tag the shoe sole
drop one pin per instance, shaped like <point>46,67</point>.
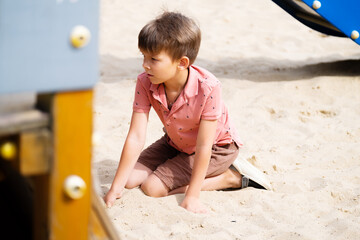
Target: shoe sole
<point>251,172</point>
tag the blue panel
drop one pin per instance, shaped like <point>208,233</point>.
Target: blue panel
<point>35,50</point>
<point>311,19</point>
<point>344,15</point>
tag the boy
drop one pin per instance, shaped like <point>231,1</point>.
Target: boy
<point>200,142</point>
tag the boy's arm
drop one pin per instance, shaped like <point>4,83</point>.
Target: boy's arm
<point>133,145</point>
<point>204,142</point>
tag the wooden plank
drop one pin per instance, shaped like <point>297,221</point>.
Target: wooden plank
<point>35,151</point>
<point>13,123</point>
<point>72,128</point>
<point>101,226</point>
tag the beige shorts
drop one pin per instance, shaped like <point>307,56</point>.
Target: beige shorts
<point>174,168</point>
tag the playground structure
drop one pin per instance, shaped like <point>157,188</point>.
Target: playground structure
<point>50,49</point>
<point>331,17</point>
<point>48,66</point>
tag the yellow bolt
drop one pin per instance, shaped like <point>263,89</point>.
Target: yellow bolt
<point>354,35</point>
<point>74,187</point>
<point>80,36</point>
<point>316,4</point>
<point>8,150</point>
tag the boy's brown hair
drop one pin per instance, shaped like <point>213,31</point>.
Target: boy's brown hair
<point>172,32</point>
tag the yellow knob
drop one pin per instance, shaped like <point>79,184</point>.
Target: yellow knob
<point>354,35</point>
<point>80,36</point>
<point>316,5</point>
<point>8,150</point>
<point>74,187</point>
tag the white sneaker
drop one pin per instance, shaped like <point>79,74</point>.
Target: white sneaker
<point>251,176</point>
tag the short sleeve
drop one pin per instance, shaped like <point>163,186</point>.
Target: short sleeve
<point>212,109</point>
<point>141,99</point>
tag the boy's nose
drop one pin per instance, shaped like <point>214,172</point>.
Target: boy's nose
<point>145,65</point>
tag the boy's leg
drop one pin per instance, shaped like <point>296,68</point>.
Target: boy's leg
<point>138,175</point>
<point>154,187</point>
<point>228,179</point>
<point>153,156</point>
<point>150,184</point>
<point>175,173</point>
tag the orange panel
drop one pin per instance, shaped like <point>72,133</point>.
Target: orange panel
<point>72,128</point>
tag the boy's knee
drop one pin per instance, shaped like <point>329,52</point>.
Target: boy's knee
<point>131,185</point>
<point>151,191</point>
<point>154,188</point>
<point>132,182</point>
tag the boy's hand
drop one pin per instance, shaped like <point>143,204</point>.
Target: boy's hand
<point>194,205</point>
<point>111,196</point>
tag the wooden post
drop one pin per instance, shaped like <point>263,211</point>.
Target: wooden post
<point>72,128</point>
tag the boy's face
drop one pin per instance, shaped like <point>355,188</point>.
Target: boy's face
<point>160,67</point>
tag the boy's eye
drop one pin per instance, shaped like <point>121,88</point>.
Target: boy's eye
<point>154,59</point>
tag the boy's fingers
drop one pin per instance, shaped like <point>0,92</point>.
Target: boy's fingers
<point>109,203</point>
<point>203,210</point>
<point>110,198</point>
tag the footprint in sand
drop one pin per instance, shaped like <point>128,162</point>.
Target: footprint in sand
<point>317,184</point>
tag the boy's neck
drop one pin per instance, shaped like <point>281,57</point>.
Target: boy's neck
<point>178,83</point>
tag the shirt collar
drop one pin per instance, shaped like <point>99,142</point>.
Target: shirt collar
<point>154,87</point>
<point>191,87</point>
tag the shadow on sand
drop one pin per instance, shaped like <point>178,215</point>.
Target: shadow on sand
<point>254,69</point>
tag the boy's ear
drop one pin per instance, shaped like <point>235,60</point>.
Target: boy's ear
<point>184,63</point>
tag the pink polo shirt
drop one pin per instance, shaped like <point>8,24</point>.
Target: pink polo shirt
<point>200,99</point>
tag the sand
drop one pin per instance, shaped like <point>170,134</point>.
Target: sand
<point>294,96</point>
